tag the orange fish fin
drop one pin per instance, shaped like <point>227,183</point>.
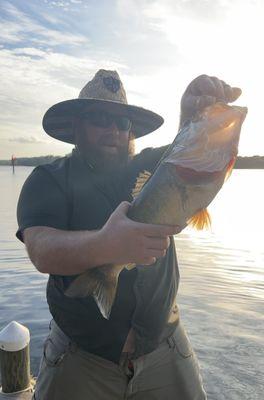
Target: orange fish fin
<point>230,168</point>
<point>200,220</point>
<point>142,178</point>
<point>130,266</point>
<point>100,284</point>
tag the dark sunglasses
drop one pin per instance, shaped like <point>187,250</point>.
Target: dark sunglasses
<point>103,119</point>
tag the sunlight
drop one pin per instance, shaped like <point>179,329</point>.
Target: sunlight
<point>223,48</point>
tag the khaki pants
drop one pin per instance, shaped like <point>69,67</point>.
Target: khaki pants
<point>171,372</point>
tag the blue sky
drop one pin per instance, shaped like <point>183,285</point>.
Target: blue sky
<point>50,49</point>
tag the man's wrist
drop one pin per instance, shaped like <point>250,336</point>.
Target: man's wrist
<point>97,248</point>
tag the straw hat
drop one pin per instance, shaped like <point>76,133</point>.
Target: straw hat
<point>105,91</point>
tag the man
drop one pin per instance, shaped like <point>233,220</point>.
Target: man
<point>72,217</point>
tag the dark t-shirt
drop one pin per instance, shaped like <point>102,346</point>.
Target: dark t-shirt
<point>47,197</point>
<point>68,195</point>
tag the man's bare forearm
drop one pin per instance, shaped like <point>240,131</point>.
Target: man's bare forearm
<point>120,241</point>
<point>59,252</point>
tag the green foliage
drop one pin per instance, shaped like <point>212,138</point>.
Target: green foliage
<point>255,162</point>
<point>31,161</point>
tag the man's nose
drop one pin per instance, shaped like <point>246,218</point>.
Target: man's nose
<point>114,128</point>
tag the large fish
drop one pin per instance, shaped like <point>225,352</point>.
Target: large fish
<point>185,181</point>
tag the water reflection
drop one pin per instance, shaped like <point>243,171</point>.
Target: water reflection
<point>220,295</point>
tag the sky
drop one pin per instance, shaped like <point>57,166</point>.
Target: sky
<point>50,49</point>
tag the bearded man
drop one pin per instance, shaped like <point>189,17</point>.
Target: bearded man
<point>72,217</point>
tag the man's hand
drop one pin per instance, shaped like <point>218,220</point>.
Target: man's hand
<point>128,241</point>
<point>204,91</point>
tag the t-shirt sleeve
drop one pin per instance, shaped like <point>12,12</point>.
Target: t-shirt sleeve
<point>148,158</point>
<point>41,203</point>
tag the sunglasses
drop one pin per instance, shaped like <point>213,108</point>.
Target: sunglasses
<point>103,119</point>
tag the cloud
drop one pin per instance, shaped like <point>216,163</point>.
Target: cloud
<point>64,5</point>
<point>27,140</point>
<point>49,53</point>
<point>18,27</point>
<point>33,80</point>
<point>29,51</point>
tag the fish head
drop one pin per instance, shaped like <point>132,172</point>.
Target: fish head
<point>202,156</point>
<point>209,143</point>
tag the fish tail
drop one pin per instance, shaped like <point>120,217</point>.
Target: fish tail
<point>99,284</point>
<point>130,266</point>
<point>200,220</point>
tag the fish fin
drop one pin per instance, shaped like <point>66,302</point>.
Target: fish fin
<point>200,220</point>
<point>130,266</point>
<point>99,284</point>
<point>82,286</point>
<point>104,295</point>
<point>140,182</point>
<point>230,167</point>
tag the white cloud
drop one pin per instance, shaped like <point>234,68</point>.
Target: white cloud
<point>31,84</point>
<point>159,48</point>
<point>61,4</point>
<point>22,28</point>
<point>129,9</point>
<point>29,51</point>
<point>25,139</point>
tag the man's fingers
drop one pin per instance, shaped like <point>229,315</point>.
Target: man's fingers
<point>205,91</point>
<point>231,93</point>
<point>202,85</point>
<point>236,92</point>
<point>228,91</point>
<point>149,261</point>
<point>156,253</point>
<point>192,104</point>
<point>205,85</point>
<point>204,101</point>
<point>160,230</point>
<point>157,243</point>
<point>219,89</point>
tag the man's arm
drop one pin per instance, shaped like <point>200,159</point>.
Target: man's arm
<point>120,241</point>
<point>55,251</point>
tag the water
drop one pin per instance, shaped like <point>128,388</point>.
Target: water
<point>221,290</point>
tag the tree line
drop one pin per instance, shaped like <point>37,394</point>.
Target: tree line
<point>254,162</point>
<point>30,161</point>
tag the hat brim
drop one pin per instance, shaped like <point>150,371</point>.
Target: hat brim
<point>58,121</point>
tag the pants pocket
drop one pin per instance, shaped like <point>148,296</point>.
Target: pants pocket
<point>55,350</point>
<point>52,353</point>
<point>182,343</point>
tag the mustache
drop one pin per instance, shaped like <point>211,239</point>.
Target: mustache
<point>109,140</point>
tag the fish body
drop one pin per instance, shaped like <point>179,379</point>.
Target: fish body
<point>184,183</point>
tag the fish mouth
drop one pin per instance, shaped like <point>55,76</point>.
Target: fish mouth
<point>189,176</point>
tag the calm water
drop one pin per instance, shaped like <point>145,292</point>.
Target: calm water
<point>221,290</point>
